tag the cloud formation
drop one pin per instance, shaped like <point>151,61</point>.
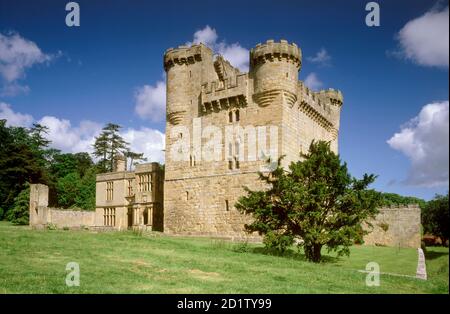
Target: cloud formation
<point>425,141</point>
<point>71,138</point>
<point>322,58</point>
<point>425,40</point>
<point>313,81</point>
<point>150,101</point>
<point>17,54</point>
<point>14,118</point>
<point>235,53</point>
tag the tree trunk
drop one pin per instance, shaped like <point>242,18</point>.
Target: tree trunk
<point>313,252</point>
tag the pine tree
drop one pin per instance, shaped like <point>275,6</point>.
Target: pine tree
<point>134,158</point>
<point>108,145</point>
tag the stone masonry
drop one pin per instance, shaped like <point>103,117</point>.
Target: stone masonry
<point>221,127</point>
<point>396,226</point>
<point>268,106</point>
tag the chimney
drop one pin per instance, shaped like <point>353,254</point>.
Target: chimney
<point>120,163</point>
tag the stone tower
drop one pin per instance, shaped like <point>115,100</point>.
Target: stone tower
<point>222,125</point>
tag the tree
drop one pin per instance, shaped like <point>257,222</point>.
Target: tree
<point>68,189</point>
<point>435,217</point>
<point>396,199</point>
<point>86,194</point>
<point>108,145</point>
<point>20,163</point>
<point>19,214</point>
<point>134,158</point>
<point>316,201</point>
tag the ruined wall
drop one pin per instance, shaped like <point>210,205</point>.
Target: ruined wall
<point>396,226</point>
<point>41,215</point>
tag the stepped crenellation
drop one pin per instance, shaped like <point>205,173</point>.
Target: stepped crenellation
<point>272,50</point>
<point>184,55</point>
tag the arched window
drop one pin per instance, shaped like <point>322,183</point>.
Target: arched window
<point>230,116</point>
<point>237,115</point>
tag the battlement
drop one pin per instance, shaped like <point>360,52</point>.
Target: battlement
<point>228,84</point>
<point>185,55</point>
<point>331,96</point>
<point>272,50</point>
<point>222,94</point>
<point>401,207</point>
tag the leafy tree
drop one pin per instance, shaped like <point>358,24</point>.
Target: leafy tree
<point>68,188</point>
<point>20,163</point>
<point>19,214</point>
<point>396,199</point>
<point>435,217</point>
<point>317,200</point>
<point>86,194</point>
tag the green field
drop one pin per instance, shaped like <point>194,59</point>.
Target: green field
<point>34,261</point>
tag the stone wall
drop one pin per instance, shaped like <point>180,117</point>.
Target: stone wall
<point>396,226</point>
<point>41,215</point>
<point>268,106</point>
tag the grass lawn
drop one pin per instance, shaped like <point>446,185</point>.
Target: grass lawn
<point>33,261</point>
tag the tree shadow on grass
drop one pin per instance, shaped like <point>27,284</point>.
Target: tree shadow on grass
<point>290,254</point>
<point>433,255</point>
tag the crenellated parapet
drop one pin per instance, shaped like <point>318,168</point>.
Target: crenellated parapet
<point>323,106</point>
<point>331,96</point>
<point>184,55</point>
<point>272,50</point>
<point>223,94</point>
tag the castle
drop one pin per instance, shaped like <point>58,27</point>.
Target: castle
<point>221,127</point>
<point>265,112</point>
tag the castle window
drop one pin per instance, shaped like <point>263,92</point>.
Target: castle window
<point>144,183</point>
<point>227,205</point>
<point>230,116</point>
<point>109,216</point>
<point>187,195</point>
<point>287,74</point>
<point>230,164</point>
<point>190,160</point>
<point>109,191</point>
<point>236,160</point>
<point>237,115</point>
<point>190,74</point>
<point>130,187</point>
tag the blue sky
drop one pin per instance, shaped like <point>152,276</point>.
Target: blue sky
<point>82,77</point>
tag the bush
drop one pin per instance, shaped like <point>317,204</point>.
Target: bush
<point>19,214</point>
<point>51,226</point>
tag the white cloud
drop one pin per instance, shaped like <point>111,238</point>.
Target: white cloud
<point>68,138</point>
<point>235,53</point>
<point>151,142</point>
<point>150,101</point>
<point>17,54</point>
<point>207,36</point>
<point>313,81</point>
<point>425,141</point>
<point>425,40</point>
<point>80,138</point>
<point>321,58</point>
<point>14,118</point>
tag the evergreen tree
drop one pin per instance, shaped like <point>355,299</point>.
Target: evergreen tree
<point>316,201</point>
<point>108,145</point>
<point>134,158</point>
